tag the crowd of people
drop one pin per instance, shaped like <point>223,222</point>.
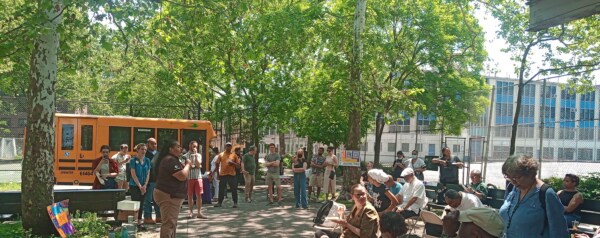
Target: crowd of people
<point>161,181</point>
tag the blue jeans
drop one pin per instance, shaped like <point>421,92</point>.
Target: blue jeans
<point>300,189</point>
<point>149,202</point>
<point>570,218</point>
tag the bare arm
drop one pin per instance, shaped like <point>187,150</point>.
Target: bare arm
<point>574,203</point>
<point>393,199</point>
<point>410,202</point>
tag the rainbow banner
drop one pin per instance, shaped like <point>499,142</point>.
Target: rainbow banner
<point>59,214</point>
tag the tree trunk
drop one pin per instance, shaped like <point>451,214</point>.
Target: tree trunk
<point>282,143</point>
<point>309,150</point>
<point>352,174</point>
<point>38,163</point>
<point>255,137</point>
<point>521,85</point>
<point>378,133</point>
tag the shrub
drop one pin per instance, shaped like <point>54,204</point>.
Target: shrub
<point>589,185</point>
<point>88,224</point>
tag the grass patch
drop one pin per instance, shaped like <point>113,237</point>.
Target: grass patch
<point>10,186</point>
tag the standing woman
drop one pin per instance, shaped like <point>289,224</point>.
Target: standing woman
<point>105,169</point>
<point>171,181</point>
<point>331,162</point>
<point>299,169</point>
<point>122,159</point>
<point>527,213</point>
<point>571,199</point>
<point>140,175</point>
<point>214,173</point>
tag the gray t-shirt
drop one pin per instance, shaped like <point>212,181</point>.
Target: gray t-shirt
<point>271,158</point>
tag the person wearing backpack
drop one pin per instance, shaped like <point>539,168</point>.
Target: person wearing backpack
<point>532,208</point>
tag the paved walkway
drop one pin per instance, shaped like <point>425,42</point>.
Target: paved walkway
<point>254,219</point>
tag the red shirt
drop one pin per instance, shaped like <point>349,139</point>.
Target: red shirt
<point>113,167</point>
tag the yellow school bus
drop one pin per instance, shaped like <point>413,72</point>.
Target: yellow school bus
<point>79,137</point>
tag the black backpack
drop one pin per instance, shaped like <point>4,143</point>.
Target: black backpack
<point>322,213</point>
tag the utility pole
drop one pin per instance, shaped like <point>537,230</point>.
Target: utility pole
<point>542,125</point>
<point>489,133</point>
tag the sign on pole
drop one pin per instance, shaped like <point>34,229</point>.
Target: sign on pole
<point>350,158</point>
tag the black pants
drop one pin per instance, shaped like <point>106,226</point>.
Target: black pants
<point>230,180</point>
<point>136,195</point>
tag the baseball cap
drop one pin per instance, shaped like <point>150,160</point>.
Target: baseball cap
<point>228,144</point>
<point>486,218</point>
<point>408,171</point>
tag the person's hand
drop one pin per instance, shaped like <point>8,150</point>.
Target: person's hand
<point>230,161</point>
<point>341,222</point>
<point>143,190</point>
<point>581,236</point>
<point>399,209</point>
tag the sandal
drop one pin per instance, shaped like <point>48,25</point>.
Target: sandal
<point>201,216</point>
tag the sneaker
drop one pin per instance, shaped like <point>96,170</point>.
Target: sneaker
<point>158,220</point>
<point>235,205</point>
<point>218,205</point>
<point>149,221</point>
<point>304,208</point>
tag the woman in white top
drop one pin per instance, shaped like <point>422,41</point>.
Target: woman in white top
<point>214,173</point>
<point>122,159</point>
<point>331,162</point>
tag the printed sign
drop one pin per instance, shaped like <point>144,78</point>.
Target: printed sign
<point>350,158</point>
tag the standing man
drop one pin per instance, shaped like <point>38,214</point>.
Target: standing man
<point>417,164</point>
<point>272,161</point>
<point>226,164</point>
<point>448,167</point>
<point>477,187</point>
<point>248,170</point>
<point>398,165</point>
<point>316,178</point>
<point>152,154</point>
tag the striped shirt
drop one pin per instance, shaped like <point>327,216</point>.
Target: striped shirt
<point>195,172</point>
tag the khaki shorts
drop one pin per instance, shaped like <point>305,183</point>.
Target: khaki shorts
<point>272,177</point>
<point>316,181</point>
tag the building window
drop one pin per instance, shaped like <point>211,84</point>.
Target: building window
<point>567,94</point>
<point>391,147</point>
<point>524,150</point>
<point>566,153</point>
<point>405,147</point>
<point>431,149</point>
<point>585,154</point>
<point>548,153</point>
<point>500,152</point>
<point>419,147</point>
<point>529,90</point>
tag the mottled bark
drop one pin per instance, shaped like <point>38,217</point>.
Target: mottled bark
<point>38,163</point>
<point>352,174</point>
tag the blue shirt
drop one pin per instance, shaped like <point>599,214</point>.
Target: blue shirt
<point>141,171</point>
<point>396,188</point>
<point>526,218</point>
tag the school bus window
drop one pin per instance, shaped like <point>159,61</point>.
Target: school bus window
<point>141,135</point>
<point>87,135</point>
<point>197,135</point>
<point>164,135</point>
<point>118,135</point>
<point>68,133</point>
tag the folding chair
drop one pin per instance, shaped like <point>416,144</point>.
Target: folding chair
<point>433,225</point>
<point>412,223</point>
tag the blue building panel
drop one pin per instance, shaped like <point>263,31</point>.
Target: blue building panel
<point>586,104</point>
<point>504,99</point>
<point>567,103</point>
<point>567,124</point>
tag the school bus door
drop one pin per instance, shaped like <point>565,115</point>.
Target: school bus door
<point>74,154</point>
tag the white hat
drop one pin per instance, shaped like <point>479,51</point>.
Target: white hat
<point>407,171</point>
<point>378,175</point>
<point>486,218</point>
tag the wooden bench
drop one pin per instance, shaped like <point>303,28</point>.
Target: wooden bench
<point>83,200</point>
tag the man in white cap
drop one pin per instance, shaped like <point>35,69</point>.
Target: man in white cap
<point>412,195</point>
<point>478,222</point>
<point>460,200</point>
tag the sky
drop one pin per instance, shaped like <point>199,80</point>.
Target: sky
<point>500,61</point>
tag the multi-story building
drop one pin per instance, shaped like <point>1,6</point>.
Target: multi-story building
<point>570,127</point>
